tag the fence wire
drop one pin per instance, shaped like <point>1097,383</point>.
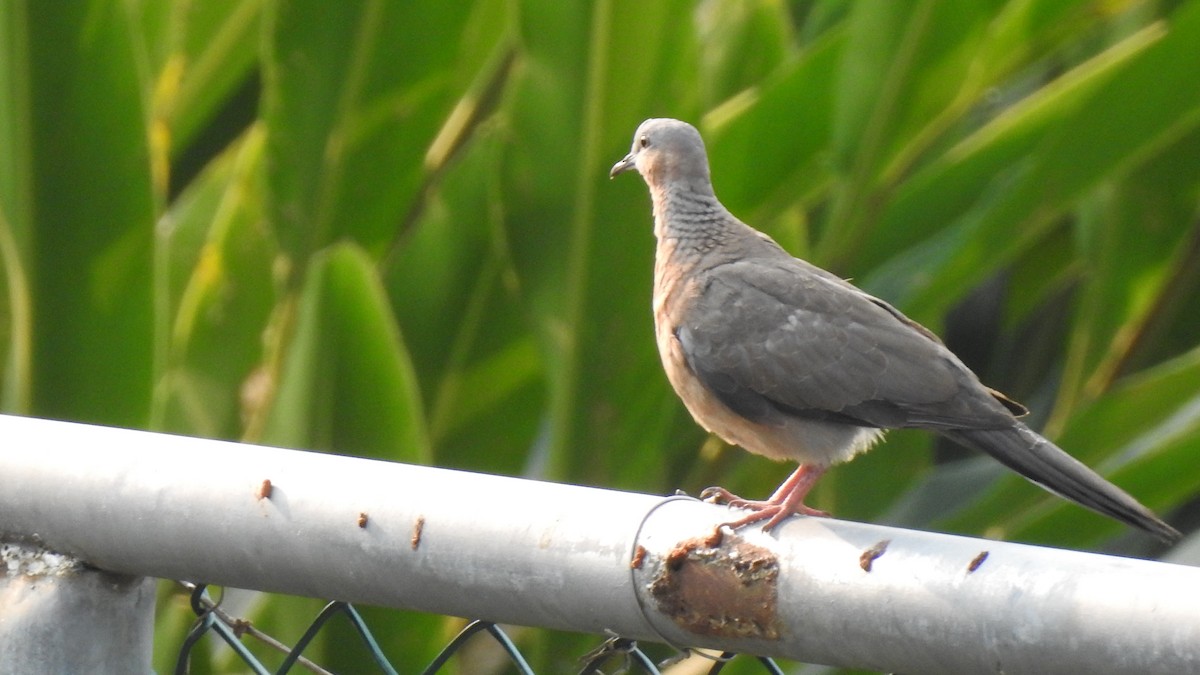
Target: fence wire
<point>211,619</point>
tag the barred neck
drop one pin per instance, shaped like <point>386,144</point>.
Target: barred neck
<point>690,215</point>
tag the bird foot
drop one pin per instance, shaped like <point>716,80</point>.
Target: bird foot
<point>774,510</point>
<point>719,495</point>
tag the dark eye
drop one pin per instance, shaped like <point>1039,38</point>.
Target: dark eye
<point>644,142</point>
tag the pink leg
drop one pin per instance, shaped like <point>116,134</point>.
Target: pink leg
<point>787,500</point>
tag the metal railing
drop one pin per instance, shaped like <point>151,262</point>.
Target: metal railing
<point>646,568</point>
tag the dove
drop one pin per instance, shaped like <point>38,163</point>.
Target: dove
<point>789,361</point>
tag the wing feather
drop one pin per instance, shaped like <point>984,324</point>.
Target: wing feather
<point>775,339</point>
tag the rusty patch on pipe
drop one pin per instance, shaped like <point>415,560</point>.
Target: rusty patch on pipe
<point>639,557</point>
<point>729,590</point>
<point>418,528</point>
<point>264,490</point>
<point>872,554</point>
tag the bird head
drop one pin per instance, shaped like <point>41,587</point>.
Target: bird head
<point>665,151</point>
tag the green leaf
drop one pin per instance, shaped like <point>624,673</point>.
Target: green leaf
<point>347,381</point>
<point>900,64</point>
<point>480,369</point>
<point>772,141</point>
<point>354,93</point>
<point>16,217</point>
<point>1002,187</point>
<point>92,216</point>
<point>1135,243</point>
<point>220,291</point>
<point>205,51</point>
<point>746,40</point>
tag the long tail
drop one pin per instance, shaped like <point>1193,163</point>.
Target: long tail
<point>1024,451</point>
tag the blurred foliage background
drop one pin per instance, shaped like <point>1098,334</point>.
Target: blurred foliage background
<point>386,229</point>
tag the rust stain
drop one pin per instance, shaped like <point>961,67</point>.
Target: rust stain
<point>362,519</point>
<point>639,557</point>
<point>872,554</point>
<point>418,527</point>
<point>729,590</point>
<point>241,626</point>
<point>977,561</point>
<point>264,490</point>
<point>714,540</point>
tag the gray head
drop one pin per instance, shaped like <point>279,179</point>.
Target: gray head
<point>666,151</point>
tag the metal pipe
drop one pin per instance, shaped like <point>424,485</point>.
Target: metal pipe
<point>584,559</point>
<point>893,600</point>
<point>323,525</point>
<point>58,616</point>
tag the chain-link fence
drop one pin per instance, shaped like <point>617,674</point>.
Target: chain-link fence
<point>620,654</point>
<point>613,655</point>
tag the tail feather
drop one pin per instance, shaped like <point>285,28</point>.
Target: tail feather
<point>1024,451</point>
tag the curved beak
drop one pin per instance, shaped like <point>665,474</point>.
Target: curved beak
<point>626,163</point>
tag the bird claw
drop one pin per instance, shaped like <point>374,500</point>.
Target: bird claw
<point>774,514</point>
<point>718,495</point>
<point>774,510</point>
